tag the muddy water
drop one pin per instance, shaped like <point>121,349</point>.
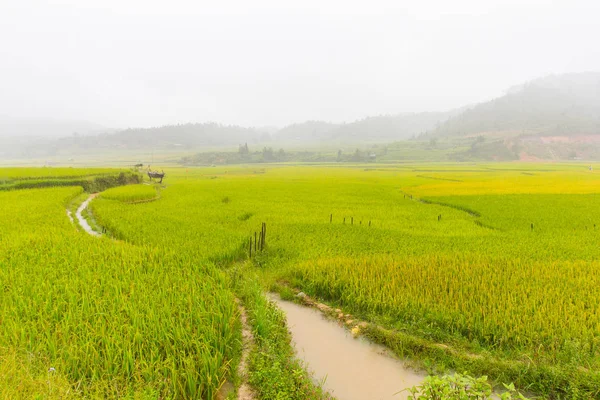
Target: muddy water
<point>352,368</point>
<point>84,224</point>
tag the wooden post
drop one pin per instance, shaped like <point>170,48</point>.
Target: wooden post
<point>352,221</point>
<point>532,226</point>
<point>259,241</point>
<point>344,220</point>
<point>330,218</point>
<point>255,247</point>
<point>262,236</point>
<point>369,223</point>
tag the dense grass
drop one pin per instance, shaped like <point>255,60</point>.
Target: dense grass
<point>552,214</point>
<point>9,174</point>
<point>131,194</point>
<point>112,319</point>
<point>476,292</point>
<point>428,270</point>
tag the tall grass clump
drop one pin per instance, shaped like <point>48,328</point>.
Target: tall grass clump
<point>108,317</point>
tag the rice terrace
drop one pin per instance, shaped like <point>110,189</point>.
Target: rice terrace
<point>485,273</point>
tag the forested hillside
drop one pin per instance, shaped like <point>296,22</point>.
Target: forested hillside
<point>555,105</point>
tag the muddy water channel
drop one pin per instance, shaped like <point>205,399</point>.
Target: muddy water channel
<point>352,368</point>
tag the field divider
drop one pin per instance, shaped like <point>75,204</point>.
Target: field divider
<point>471,213</point>
<point>157,197</point>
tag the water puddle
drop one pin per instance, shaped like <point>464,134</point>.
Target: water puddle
<point>352,368</point>
<point>82,221</point>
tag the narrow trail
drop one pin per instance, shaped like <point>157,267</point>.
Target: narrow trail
<point>82,221</point>
<point>245,392</point>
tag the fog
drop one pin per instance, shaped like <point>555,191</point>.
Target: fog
<point>271,63</point>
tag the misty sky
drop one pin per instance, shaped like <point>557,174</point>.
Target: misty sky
<point>124,63</point>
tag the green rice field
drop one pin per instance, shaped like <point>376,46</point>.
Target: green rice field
<point>489,269</point>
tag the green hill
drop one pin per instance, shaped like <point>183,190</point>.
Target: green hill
<point>555,105</point>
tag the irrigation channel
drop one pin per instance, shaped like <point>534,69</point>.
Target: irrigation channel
<point>82,221</point>
<point>351,368</point>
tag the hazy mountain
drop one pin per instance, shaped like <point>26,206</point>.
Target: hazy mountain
<point>27,138</point>
<point>185,135</point>
<point>563,105</point>
<point>309,131</point>
<point>563,109</point>
<point>165,138</point>
<point>386,128</point>
<point>45,128</point>
<point>378,129</point>
<point>211,135</point>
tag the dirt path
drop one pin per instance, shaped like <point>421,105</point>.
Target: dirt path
<point>245,392</point>
<point>82,221</point>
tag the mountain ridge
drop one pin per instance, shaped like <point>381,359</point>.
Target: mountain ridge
<point>554,106</point>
